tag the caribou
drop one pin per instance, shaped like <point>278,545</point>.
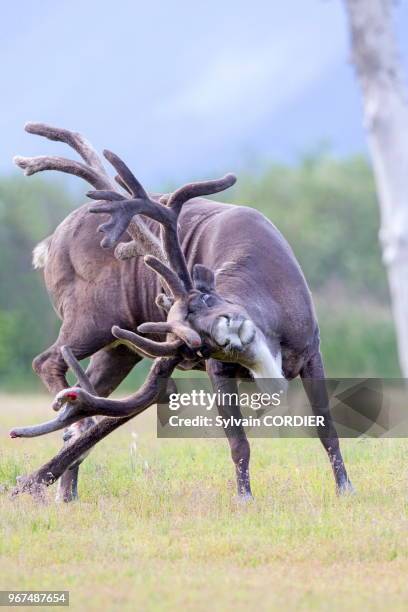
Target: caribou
<point>189,282</point>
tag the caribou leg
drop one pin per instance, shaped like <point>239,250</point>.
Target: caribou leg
<point>313,377</point>
<point>105,373</point>
<point>83,339</point>
<point>67,490</point>
<point>48,473</point>
<point>223,379</point>
<point>108,368</point>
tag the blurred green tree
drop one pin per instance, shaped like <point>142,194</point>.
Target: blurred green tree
<point>29,211</point>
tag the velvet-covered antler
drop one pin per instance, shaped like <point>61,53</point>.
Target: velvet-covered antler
<point>175,276</point>
<point>76,403</point>
<point>147,395</point>
<point>122,211</point>
<point>146,347</point>
<point>92,171</point>
<point>66,416</point>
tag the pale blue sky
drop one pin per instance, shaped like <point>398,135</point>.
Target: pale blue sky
<point>182,89</point>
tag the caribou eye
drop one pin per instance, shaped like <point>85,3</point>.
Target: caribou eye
<point>208,299</point>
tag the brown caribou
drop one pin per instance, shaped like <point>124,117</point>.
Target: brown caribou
<point>219,280</point>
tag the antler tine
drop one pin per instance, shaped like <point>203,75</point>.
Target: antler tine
<point>126,175</point>
<point>169,278</point>
<point>143,239</point>
<point>64,419</point>
<point>122,183</point>
<point>143,205</point>
<point>81,402</point>
<point>122,219</point>
<point>32,165</point>
<point>74,365</point>
<point>177,328</point>
<point>170,237</point>
<point>92,171</point>
<point>73,139</point>
<point>122,213</point>
<point>197,189</point>
<point>146,347</point>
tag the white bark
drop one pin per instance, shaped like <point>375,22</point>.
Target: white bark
<point>375,55</point>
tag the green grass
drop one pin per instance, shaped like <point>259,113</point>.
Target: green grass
<point>158,526</point>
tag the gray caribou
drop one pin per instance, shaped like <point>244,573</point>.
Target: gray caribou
<point>219,281</point>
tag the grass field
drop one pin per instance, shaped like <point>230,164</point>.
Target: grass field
<point>158,526</point>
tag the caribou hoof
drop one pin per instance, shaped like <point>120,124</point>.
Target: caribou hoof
<point>346,488</point>
<point>245,499</point>
<point>25,484</point>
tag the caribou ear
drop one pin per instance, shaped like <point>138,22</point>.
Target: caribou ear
<point>203,278</point>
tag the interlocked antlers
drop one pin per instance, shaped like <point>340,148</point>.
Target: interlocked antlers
<point>92,171</point>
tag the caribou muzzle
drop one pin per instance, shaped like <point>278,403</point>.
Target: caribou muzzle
<point>233,333</point>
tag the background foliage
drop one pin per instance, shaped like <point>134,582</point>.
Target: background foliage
<point>325,207</point>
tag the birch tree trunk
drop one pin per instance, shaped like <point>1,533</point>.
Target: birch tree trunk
<point>375,56</point>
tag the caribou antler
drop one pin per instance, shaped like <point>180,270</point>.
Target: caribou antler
<point>77,403</point>
<point>146,347</point>
<point>92,171</point>
<point>181,338</point>
<point>147,395</point>
<point>175,276</point>
<point>122,211</point>
<point>66,416</point>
